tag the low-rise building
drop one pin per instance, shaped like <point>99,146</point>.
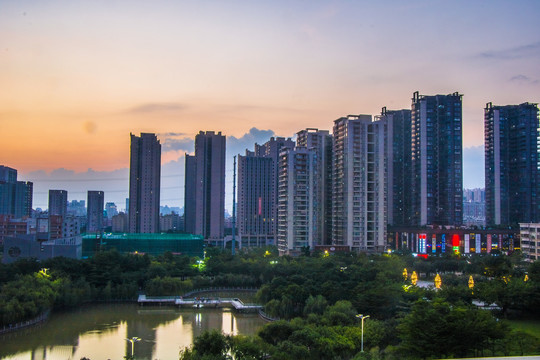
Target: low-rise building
<point>530,240</point>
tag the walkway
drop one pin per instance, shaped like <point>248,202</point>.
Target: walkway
<point>235,303</point>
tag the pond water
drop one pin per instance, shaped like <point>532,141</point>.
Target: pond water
<point>100,332</point>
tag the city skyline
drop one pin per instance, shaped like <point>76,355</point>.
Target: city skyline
<point>83,75</point>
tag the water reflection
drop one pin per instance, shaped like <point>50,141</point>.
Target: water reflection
<point>99,332</point>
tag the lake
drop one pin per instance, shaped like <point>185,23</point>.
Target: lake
<point>100,332</point>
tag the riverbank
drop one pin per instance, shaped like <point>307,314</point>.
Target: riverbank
<point>24,324</point>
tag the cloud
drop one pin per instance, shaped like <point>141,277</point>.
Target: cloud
<point>247,141</point>
<point>175,143</point>
<point>473,167</point>
<point>151,108</point>
<point>522,79</point>
<point>529,50</point>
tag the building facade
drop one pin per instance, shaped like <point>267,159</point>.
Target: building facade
<point>436,159</point>
<point>15,196</point>
<point>58,202</point>
<point>144,183</point>
<point>530,240</point>
<point>94,212</point>
<point>297,226</point>
<point>320,142</point>
<point>398,154</point>
<point>512,164</point>
<point>359,183</point>
<point>435,240</point>
<point>255,194</point>
<point>204,206</point>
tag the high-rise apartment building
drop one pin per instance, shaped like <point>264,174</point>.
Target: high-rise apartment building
<point>144,183</point>
<point>512,164</point>
<point>257,193</point>
<point>204,206</point>
<point>94,212</point>
<point>58,201</point>
<point>359,188</point>
<point>436,160</point>
<point>320,142</point>
<point>398,128</point>
<point>255,220</point>
<point>15,196</point>
<point>296,225</point>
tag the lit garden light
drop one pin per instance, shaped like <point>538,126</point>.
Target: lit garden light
<point>405,274</point>
<point>362,317</point>
<point>471,282</point>
<point>414,278</point>
<point>133,340</point>
<point>438,281</point>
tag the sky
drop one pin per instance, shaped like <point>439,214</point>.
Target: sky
<point>78,77</point>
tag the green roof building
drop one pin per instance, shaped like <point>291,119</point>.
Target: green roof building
<point>152,244</point>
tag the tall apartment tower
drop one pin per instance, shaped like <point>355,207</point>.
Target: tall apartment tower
<point>359,187</point>
<point>94,212</point>
<point>320,142</point>
<point>512,164</point>
<point>144,183</point>
<point>436,160</point>
<point>257,192</point>
<point>58,203</point>
<point>271,149</point>
<point>255,219</point>
<point>398,123</point>
<point>15,196</point>
<point>205,186</point>
<point>297,219</point>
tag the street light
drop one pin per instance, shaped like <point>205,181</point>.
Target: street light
<point>362,317</point>
<point>133,340</point>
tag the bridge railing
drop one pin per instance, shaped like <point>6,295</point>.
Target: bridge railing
<point>217,289</point>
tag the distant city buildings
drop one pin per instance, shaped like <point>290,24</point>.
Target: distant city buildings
<point>76,208</point>
<point>58,202</point>
<point>144,183</point>
<point>171,223</point>
<point>474,209</point>
<point>205,187</point>
<point>110,210</point>
<point>94,215</point>
<point>393,180</point>
<point>119,223</point>
<point>512,164</point>
<point>15,196</point>
<point>436,160</point>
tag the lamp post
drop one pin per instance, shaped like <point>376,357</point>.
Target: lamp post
<point>133,340</point>
<point>362,317</point>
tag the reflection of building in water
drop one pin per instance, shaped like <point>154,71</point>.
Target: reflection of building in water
<point>229,323</point>
<point>204,319</point>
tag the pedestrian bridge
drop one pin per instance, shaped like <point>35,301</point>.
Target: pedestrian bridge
<point>199,302</point>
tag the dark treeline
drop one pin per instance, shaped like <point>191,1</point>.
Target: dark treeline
<point>316,297</point>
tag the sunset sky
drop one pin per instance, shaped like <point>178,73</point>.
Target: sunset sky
<point>78,76</point>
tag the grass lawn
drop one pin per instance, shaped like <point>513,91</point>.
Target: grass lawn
<point>530,326</point>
